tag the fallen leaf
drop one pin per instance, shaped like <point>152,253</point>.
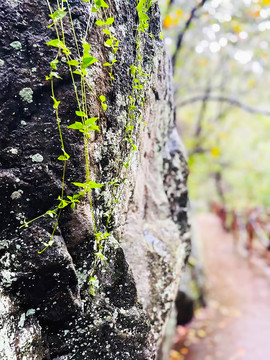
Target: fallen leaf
<point>174,355</point>
<point>184,351</point>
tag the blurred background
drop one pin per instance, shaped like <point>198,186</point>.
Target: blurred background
<point>220,55</point>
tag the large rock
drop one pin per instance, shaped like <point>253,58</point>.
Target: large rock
<point>47,311</point>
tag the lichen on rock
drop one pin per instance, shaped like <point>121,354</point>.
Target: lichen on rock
<point>26,94</point>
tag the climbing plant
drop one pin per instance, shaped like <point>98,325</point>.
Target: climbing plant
<point>79,61</point>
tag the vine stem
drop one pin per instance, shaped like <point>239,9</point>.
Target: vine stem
<point>81,99</point>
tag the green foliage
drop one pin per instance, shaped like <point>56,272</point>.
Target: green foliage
<point>58,14</point>
<point>109,21</point>
<point>78,64</point>
<point>89,185</point>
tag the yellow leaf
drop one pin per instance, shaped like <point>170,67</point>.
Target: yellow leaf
<point>179,12</point>
<point>167,21</point>
<point>237,28</point>
<point>174,355</point>
<point>184,351</point>
<point>215,152</point>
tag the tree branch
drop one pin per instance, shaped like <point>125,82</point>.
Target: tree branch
<point>182,34</point>
<point>221,98</point>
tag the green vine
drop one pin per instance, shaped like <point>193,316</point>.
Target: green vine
<point>78,64</point>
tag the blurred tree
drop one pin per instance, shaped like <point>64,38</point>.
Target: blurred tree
<point>220,54</point>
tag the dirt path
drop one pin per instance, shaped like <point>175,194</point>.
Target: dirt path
<point>236,323</point>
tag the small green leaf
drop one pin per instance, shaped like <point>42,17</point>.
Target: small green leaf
<point>55,74</point>
<point>56,43</point>
<point>88,60</point>
<point>109,21</point>
<point>66,51</point>
<point>143,17</point>
<point>88,185</point>
<point>64,157</point>
<point>106,31</point>
<point>80,113</point>
<point>79,184</point>
<point>76,126</point>
<point>102,98</point>
<point>107,64</point>
<point>140,6</point>
<point>63,203</point>
<point>73,62</point>
<point>86,47</point>
<point>104,106</point>
<point>94,127</point>
<point>91,121</point>
<point>93,185</point>
<point>55,103</point>
<point>72,205</point>
<point>58,14</point>
<point>51,213</point>
<point>101,3</point>
<point>54,64</point>
<point>100,23</point>
<point>109,43</point>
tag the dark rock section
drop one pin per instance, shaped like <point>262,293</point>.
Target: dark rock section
<point>46,309</point>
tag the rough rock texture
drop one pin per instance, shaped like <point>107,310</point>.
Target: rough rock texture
<point>47,311</point>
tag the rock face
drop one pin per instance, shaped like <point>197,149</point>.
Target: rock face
<point>47,310</point>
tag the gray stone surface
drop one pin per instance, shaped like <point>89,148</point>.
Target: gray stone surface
<point>46,309</point>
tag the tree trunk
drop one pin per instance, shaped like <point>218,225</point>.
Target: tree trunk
<point>47,309</point>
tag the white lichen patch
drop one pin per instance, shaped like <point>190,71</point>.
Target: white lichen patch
<point>30,312</point>
<point>37,158</point>
<point>21,321</point>
<point>16,45</point>
<point>8,277</point>
<point>16,194</point>
<point>13,151</point>
<point>27,95</point>
<point>2,62</point>
<point>13,3</point>
<point>121,100</point>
